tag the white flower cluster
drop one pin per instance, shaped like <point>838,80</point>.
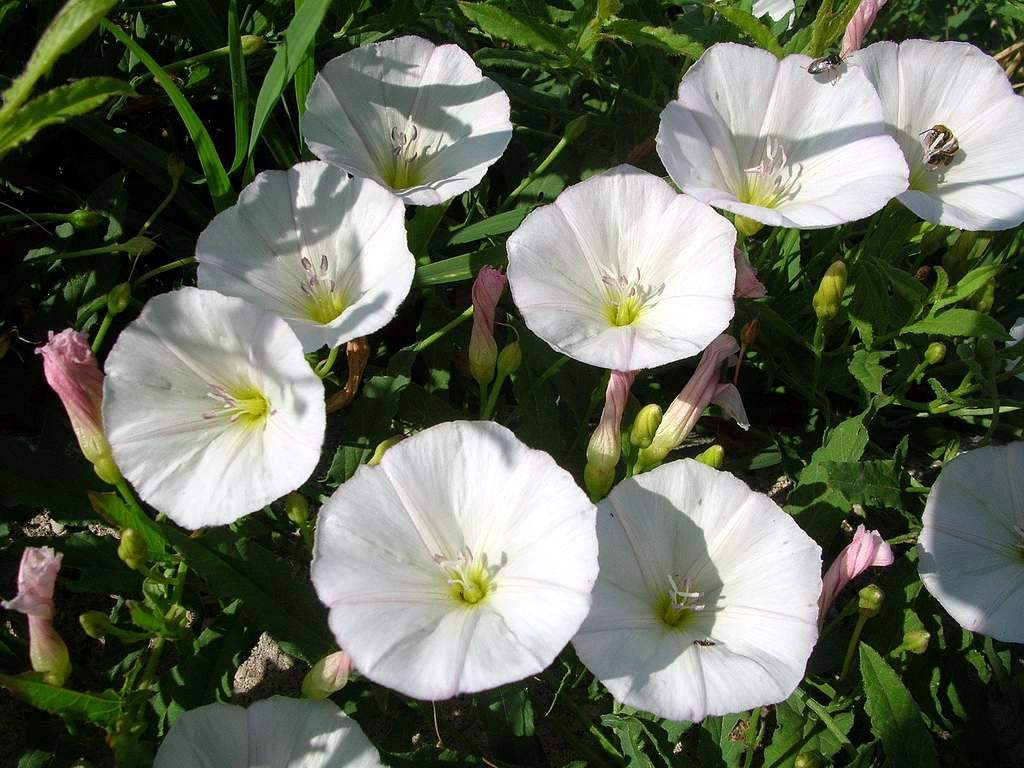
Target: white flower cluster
<point>465,560</point>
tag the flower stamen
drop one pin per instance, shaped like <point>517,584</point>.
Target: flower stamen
<point>677,606</point>
<point>244,405</point>
<point>469,579</point>
<point>774,179</point>
<point>405,152</point>
<point>625,299</point>
<point>324,302</point>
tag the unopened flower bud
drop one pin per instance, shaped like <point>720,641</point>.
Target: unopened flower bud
<point>483,350</point>
<point>132,550</point>
<point>870,599</point>
<point>95,624</point>
<point>329,675</point>
<point>296,508</point>
<point>137,246</point>
<point>747,285</point>
<point>748,333</point>
<point>714,457</point>
<point>509,359</point>
<point>916,641</point>
<point>829,296</point>
<point>83,218</point>
<point>382,448</point>
<point>37,578</point>
<point>576,127</point>
<point>598,480</point>
<point>252,43</point>
<point>747,227</point>
<point>810,759</point>
<point>175,165</point>
<point>985,297</point>
<point>645,425</point>
<point>118,298</point>
<point>935,353</point>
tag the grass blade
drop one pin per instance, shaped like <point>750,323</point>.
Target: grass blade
<point>239,88</point>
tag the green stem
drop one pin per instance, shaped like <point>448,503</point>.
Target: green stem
<point>862,619</point>
<point>115,248</point>
<point>492,398</point>
<point>554,368</point>
<point>419,346</point>
<point>483,399</point>
<point>325,367</point>
<point>535,174</point>
<point>101,333</point>
<point>753,736</point>
<point>176,264</point>
<point>818,347</point>
<point>17,218</point>
<point>175,180</point>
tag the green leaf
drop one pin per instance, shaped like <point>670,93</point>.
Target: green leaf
<point>293,50</point>
<point>216,178</point>
<point>57,106</point>
<point>519,29</point>
<point>459,268</point>
<point>74,22</point>
<point>499,224</point>
<point>239,88</point>
<point>960,322</point>
<point>509,716</point>
<point>829,24</point>
<point>970,283</point>
<point>113,509</point>
<point>749,25</point>
<point>872,483</point>
<point>102,708</point>
<point>895,716</point>
<point>662,38</point>
<point>866,367</point>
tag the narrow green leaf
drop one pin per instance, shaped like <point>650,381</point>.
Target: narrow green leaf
<point>73,23</point>
<point>57,106</point>
<point>113,509</point>
<point>305,74</point>
<point>748,25</point>
<point>973,281</point>
<point>960,322</point>
<point>216,178</point>
<point>239,88</point>
<point>102,708</point>
<point>662,38</point>
<point>499,224</point>
<point>520,30</point>
<point>830,23</point>
<point>459,268</point>
<point>290,54</point>
<point>895,716</point>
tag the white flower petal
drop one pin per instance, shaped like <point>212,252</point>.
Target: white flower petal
<point>164,409</point>
<point>972,542</point>
<point>406,98</point>
<point>278,732</point>
<point>923,84</point>
<point>294,232</point>
<point>628,225</point>
<point>775,9</point>
<point>461,489</point>
<point>767,140</point>
<point>753,571</point>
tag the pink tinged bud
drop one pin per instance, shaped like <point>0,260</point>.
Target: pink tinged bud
<point>328,676</point>
<point>747,284</point>
<point>483,351</point>
<point>859,25</point>
<point>37,577</point>
<point>72,372</point>
<point>605,444</point>
<point>866,550</point>
<point>703,388</point>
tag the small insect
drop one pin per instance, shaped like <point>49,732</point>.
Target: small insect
<point>940,145</point>
<point>704,643</point>
<point>827,64</point>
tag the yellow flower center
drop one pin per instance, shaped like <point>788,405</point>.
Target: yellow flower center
<point>469,579</point>
<point>404,171</point>
<point>243,405</point>
<point>625,299</point>
<point>677,607</point>
<point>323,300</point>
<point>774,180</point>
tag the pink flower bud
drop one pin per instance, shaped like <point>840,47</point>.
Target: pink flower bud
<point>483,351</point>
<point>37,577</point>
<point>703,388</point>
<point>747,284</point>
<point>72,372</point>
<point>606,442</point>
<point>867,549</point>
<point>859,25</point>
<point>328,676</point>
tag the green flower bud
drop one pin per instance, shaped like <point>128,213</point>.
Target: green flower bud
<point>137,246</point>
<point>575,128</point>
<point>118,298</point>
<point>175,166</point>
<point>381,449</point>
<point>252,43</point>
<point>870,599</point>
<point>645,425</point>
<point>95,624</point>
<point>714,457</point>
<point>810,759</point>
<point>598,480</point>
<point>329,675</point>
<point>83,218</point>
<point>829,296</point>
<point>935,353</point>
<point>747,227</point>
<point>916,641</point>
<point>132,549</point>
<point>297,508</point>
<point>985,296</point>
<point>509,359</point>
<point>106,470</point>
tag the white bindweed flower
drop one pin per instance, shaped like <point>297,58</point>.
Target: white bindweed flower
<point>707,598</point>
<point>971,545</point>
<point>418,118</point>
<point>622,272</point>
<point>274,733</point>
<point>961,128</point>
<point>323,251</point>
<point>776,10</point>
<point>767,140</point>
<point>462,562</point>
<point>211,410</point>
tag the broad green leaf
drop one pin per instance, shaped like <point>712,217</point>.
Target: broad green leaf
<point>749,25</point>
<point>633,739</point>
<point>99,708</point>
<point>509,715</point>
<point>293,50</point>
<point>872,483</point>
<point>960,322</point>
<point>216,178</point>
<point>866,367</point>
<point>113,509</point>
<point>459,268</point>
<point>74,22</point>
<point>895,716</point>
<point>662,38</point>
<point>57,106</point>
<point>969,284</point>
<point>519,29</point>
